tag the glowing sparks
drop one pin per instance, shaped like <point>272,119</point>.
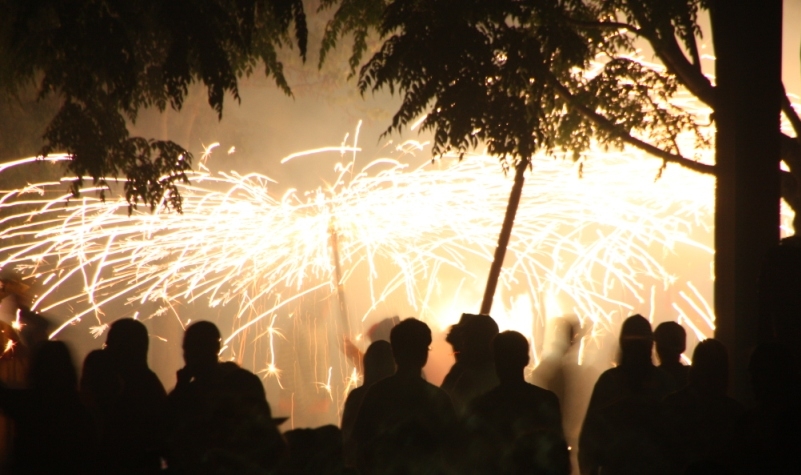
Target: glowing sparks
<point>17,323</point>
<point>599,238</point>
<point>593,245</point>
<point>326,386</point>
<point>98,330</point>
<point>352,382</point>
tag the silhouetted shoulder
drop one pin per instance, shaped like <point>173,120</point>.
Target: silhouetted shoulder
<point>395,401</point>
<point>522,406</point>
<point>235,379</point>
<point>398,390</point>
<point>614,386</point>
<point>524,393</point>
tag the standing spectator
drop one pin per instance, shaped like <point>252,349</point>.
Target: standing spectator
<point>701,418</point>
<point>218,418</point>
<point>516,427</point>
<point>378,364</point>
<point>54,433</point>
<point>622,432</point>
<point>474,372</point>
<point>671,341</point>
<point>405,423</point>
<point>768,436</point>
<point>131,436</point>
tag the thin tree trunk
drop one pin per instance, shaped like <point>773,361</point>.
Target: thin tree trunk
<point>503,239</point>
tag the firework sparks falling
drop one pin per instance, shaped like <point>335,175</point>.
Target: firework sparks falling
<point>582,238</point>
<point>593,238</point>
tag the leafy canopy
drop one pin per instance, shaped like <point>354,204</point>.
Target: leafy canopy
<point>526,75</point>
<point>107,59</point>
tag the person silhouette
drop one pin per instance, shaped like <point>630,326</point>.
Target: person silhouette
<point>456,339</point>
<point>767,437</point>
<point>131,437</point>
<point>671,341</point>
<point>54,432</point>
<point>474,372</point>
<point>218,419</point>
<point>701,418</point>
<point>404,422</point>
<point>622,431</point>
<point>504,421</point>
<point>378,364</point>
<point>779,289</point>
<point>100,388</point>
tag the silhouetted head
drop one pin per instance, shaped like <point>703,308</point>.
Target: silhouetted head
<point>378,362</point>
<point>52,369</point>
<point>636,342</point>
<point>201,345</point>
<point>773,374</point>
<point>127,342</point>
<point>510,350</point>
<point>478,334</point>
<point>455,336</point>
<point>710,370</point>
<point>671,341</point>
<point>410,340</point>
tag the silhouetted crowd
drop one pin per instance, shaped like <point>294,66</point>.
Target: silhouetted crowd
<point>484,419</point>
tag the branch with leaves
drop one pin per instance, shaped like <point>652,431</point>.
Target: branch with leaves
<point>513,75</point>
<point>107,60</point>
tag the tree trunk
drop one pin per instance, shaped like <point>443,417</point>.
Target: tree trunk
<point>747,37</point>
<point>503,239</point>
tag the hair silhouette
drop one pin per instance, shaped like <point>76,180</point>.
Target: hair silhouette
<point>478,334</point>
<point>710,370</point>
<point>128,342</point>
<point>201,345</point>
<point>511,353</point>
<point>671,341</point>
<point>636,343</point>
<point>378,362</point>
<point>410,340</point>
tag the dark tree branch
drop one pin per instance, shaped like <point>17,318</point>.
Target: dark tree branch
<point>609,127</point>
<point>690,75</point>
<point>693,47</point>
<point>670,53</point>
<point>791,114</point>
